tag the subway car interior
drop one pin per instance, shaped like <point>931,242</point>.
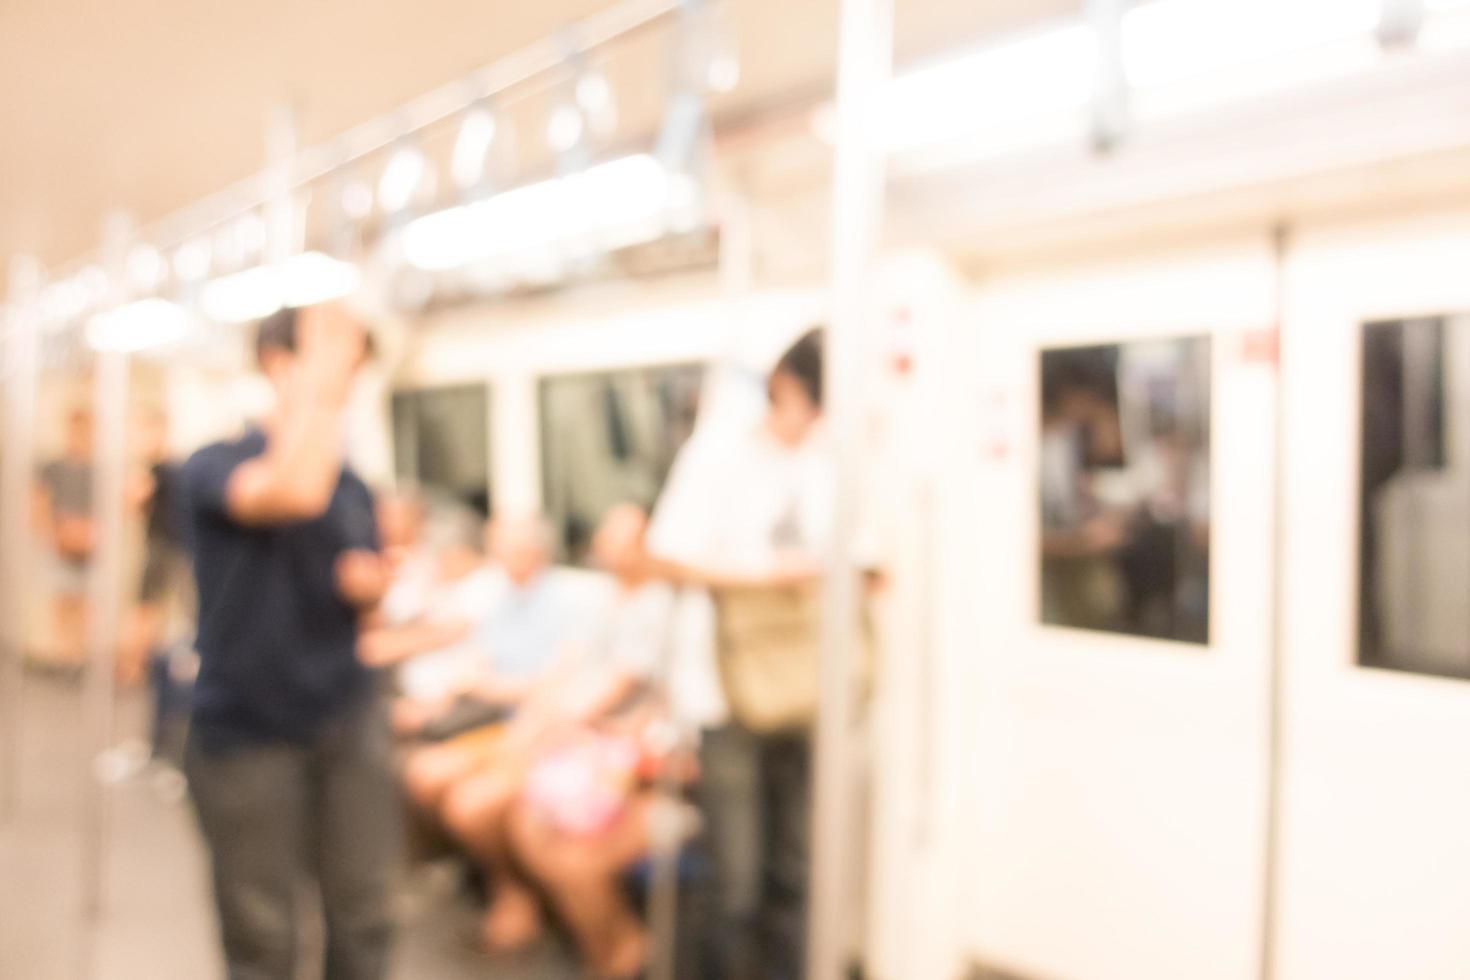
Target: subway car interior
<point>721,489</point>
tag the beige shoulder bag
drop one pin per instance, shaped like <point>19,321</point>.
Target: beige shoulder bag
<point>769,641</point>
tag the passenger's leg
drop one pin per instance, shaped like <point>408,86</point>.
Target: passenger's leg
<point>475,812</point>
<point>786,773</point>
<point>582,876</point>
<point>70,617</point>
<point>730,798</point>
<point>160,682</point>
<point>253,806</point>
<point>142,635</point>
<point>359,833</point>
<point>432,771</point>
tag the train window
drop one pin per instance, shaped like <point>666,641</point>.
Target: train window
<point>441,442</point>
<point>1125,488</point>
<point>1414,510</point>
<point>610,438</point>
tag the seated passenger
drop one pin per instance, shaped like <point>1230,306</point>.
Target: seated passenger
<point>401,517</point>
<point>531,621</point>
<point>622,662</point>
<point>441,588</point>
<point>527,639</point>
<point>585,812</point>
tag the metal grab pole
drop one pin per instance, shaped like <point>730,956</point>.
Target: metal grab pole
<point>667,834</point>
<point>514,70</point>
<point>110,401</point>
<point>104,593</point>
<point>19,367</point>
<point>1276,670</point>
<point>864,63</point>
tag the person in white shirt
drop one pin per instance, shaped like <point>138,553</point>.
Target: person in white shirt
<point>757,510</point>
<point>441,587</point>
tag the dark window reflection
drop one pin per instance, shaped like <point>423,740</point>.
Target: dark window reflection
<point>1414,586</point>
<point>610,438</point>
<point>1125,488</point>
<point>440,442</point>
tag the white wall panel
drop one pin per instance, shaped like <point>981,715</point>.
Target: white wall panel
<point>1111,807</point>
<point>1375,853</point>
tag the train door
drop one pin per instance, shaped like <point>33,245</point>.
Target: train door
<point>1374,873</point>
<point>1108,580</point>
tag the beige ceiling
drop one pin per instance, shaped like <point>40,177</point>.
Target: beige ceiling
<point>150,104</point>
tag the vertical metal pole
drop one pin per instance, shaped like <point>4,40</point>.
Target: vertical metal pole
<point>19,368</point>
<point>110,398</point>
<point>283,229</point>
<point>864,64</point>
<point>737,238</point>
<point>1275,678</point>
<point>109,465</point>
<point>667,826</point>
<point>667,837</point>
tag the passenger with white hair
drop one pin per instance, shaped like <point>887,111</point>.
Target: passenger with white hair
<point>527,637</point>
<point>528,625</point>
<point>586,813</point>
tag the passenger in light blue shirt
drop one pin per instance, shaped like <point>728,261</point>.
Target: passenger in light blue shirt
<point>532,628</point>
<point>535,630</point>
<point>537,616</point>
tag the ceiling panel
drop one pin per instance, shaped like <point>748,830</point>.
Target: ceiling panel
<point>151,104</point>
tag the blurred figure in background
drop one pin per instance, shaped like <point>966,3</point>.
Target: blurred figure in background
<point>519,615</point>
<point>401,514</point>
<point>156,634</point>
<point>64,515</point>
<point>288,758</point>
<point>756,516</point>
<point>431,601</point>
<point>1080,535</point>
<point>1125,490</point>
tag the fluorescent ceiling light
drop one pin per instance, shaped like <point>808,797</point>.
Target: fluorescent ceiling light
<point>618,203</point>
<point>239,296</point>
<point>301,280</point>
<point>1179,56</point>
<point>314,277</point>
<point>997,88</point>
<point>517,219</point>
<point>1186,56</point>
<point>1447,28</point>
<point>137,326</point>
<point>611,205</point>
<point>1169,41</point>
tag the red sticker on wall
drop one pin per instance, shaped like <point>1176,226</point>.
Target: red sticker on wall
<point>1261,346</point>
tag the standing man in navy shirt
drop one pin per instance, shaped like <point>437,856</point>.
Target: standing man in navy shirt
<point>288,757</point>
